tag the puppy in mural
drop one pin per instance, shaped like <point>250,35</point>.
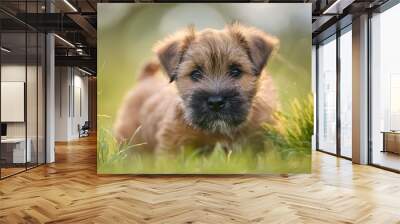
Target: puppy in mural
<point>205,87</point>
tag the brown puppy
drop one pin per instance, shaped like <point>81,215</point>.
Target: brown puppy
<point>218,91</point>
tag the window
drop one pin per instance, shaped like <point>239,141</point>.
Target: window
<point>385,89</point>
<point>327,96</point>
<point>346,93</point>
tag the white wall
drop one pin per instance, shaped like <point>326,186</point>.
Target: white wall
<point>81,103</point>
<point>71,102</point>
<point>62,82</point>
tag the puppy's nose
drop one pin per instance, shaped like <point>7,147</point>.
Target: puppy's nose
<point>215,103</point>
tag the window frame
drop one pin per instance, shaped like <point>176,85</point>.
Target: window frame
<point>333,37</point>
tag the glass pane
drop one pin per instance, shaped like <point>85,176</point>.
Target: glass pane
<point>327,96</point>
<point>13,89</point>
<point>41,98</point>
<point>346,94</point>
<point>31,86</point>
<point>22,89</point>
<point>386,89</point>
<point>32,95</point>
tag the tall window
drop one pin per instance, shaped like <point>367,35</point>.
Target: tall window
<point>327,96</point>
<point>346,92</point>
<point>385,88</point>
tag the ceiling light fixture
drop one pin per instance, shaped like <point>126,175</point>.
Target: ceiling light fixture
<point>337,7</point>
<point>329,9</point>
<point>84,71</point>
<point>64,40</point>
<point>5,50</point>
<point>70,5</point>
<point>79,51</point>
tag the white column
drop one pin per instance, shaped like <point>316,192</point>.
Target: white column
<point>50,94</point>
<point>360,90</point>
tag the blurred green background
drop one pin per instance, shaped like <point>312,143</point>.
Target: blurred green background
<point>128,32</point>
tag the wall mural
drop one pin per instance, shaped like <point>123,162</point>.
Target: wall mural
<point>206,88</point>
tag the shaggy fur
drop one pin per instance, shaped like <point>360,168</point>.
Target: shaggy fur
<point>170,104</point>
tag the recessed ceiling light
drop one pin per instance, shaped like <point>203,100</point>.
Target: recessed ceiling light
<point>84,71</point>
<point>65,41</point>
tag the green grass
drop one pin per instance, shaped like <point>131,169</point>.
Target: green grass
<point>287,150</point>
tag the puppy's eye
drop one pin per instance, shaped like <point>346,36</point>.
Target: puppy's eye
<point>196,75</point>
<point>235,72</point>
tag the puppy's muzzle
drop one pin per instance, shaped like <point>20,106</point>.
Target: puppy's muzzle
<point>217,110</point>
<point>216,102</point>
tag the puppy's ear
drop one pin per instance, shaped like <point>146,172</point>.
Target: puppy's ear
<point>171,50</point>
<point>258,44</point>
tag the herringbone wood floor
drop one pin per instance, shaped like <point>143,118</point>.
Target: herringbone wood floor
<point>70,191</point>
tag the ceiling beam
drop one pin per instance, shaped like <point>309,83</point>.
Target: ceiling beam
<point>84,24</point>
<point>49,22</point>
